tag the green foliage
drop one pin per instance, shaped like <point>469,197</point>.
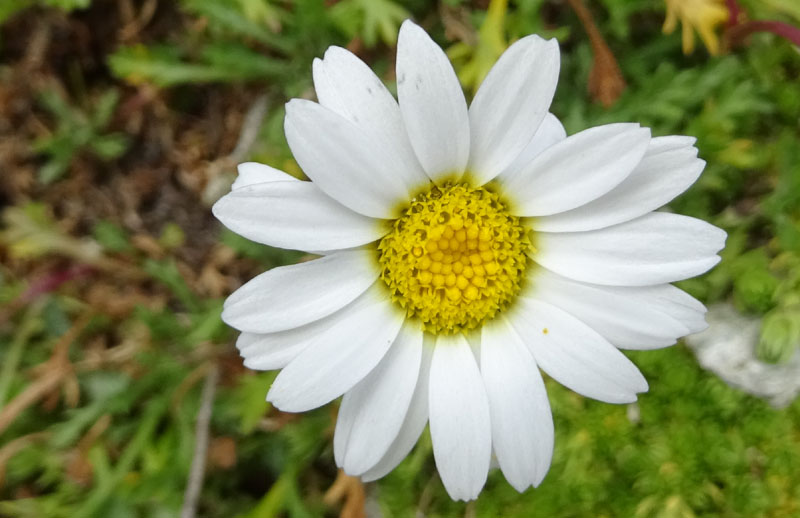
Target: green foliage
<point>761,9</point>
<point>780,335</point>
<point>8,8</point>
<point>172,236</point>
<point>11,7</point>
<point>261,253</point>
<point>167,273</point>
<point>473,62</point>
<point>528,19</point>
<point>77,131</point>
<point>691,447</point>
<point>754,284</point>
<point>30,231</point>
<point>620,12</point>
<point>247,403</point>
<point>111,237</point>
<point>217,62</point>
<point>369,19</point>
<point>244,40</point>
<point>252,40</point>
<point>239,19</point>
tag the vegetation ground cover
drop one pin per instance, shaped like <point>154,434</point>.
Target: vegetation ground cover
<point>122,121</point>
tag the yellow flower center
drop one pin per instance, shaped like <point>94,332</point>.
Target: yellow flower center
<point>455,258</point>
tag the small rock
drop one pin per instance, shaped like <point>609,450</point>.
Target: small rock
<point>728,349</point>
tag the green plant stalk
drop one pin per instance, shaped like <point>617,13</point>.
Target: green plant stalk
<point>152,415</point>
<point>11,360</point>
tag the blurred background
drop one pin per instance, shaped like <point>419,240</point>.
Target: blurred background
<point>121,122</point>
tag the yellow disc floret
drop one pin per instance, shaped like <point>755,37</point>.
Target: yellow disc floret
<point>454,258</point>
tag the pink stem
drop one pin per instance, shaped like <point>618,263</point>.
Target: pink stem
<point>53,280</point>
<point>784,30</point>
<point>735,11</point>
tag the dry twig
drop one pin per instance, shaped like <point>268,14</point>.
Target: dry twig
<point>13,447</point>
<point>351,490</point>
<point>52,374</point>
<point>197,471</point>
<point>606,83</point>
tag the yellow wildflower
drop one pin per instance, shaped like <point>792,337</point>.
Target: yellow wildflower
<point>701,15</point>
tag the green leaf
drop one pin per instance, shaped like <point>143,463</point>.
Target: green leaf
<point>264,254</point>
<point>53,170</point>
<point>250,400</point>
<point>207,324</point>
<point>225,16</point>
<point>473,62</point>
<point>780,335</point>
<point>75,132</point>
<point>9,8</point>
<point>163,67</point>
<point>219,62</point>
<point>172,236</point>
<point>243,63</point>
<point>754,283</point>
<point>68,5</point>
<point>370,19</point>
<point>166,271</point>
<point>104,108</point>
<point>111,236</point>
<point>109,147</point>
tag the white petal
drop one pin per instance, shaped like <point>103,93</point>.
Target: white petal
<point>374,410</point>
<point>413,424</point>
<point>576,170</point>
<point>522,425</point>
<point>340,356</point>
<point>290,296</point>
<point>294,215</point>
<point>640,317</point>
<point>275,350</point>
<point>432,103</point>
<point>510,105</point>
<point>550,132</point>
<point>679,305</point>
<point>251,173</point>
<point>347,86</point>
<point>575,355</point>
<point>670,143</point>
<point>348,163</point>
<point>272,351</point>
<point>654,249</point>
<point>474,341</point>
<point>659,177</point>
<point>459,416</point>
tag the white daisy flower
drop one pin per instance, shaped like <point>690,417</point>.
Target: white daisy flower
<point>463,250</point>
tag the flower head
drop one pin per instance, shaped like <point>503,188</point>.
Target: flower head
<point>701,15</point>
<point>463,249</point>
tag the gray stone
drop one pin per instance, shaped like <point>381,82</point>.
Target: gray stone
<point>728,349</point>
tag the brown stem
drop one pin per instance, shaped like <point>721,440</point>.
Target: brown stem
<point>606,83</point>
<point>35,391</point>
<point>14,446</point>
<point>52,374</point>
